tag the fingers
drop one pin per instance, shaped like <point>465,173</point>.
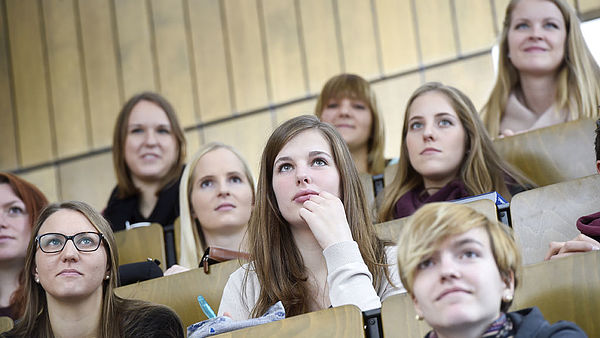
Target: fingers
<point>584,238</point>
<point>554,249</point>
<point>576,246</point>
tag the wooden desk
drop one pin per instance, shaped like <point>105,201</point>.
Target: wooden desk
<point>398,317</point>
<point>6,324</point>
<point>139,244</point>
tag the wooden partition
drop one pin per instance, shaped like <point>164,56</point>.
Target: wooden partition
<point>180,291</point>
<point>139,244</point>
<point>6,324</point>
<point>550,213</point>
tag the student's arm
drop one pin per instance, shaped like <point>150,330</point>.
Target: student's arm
<point>581,243</point>
<point>232,301</point>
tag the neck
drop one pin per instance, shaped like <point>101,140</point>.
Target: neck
<point>227,237</point>
<point>538,92</point>
<point>76,318</point>
<point>360,156</point>
<point>148,196</point>
<point>309,248</point>
<point>468,330</point>
<point>434,185</point>
<point>9,279</point>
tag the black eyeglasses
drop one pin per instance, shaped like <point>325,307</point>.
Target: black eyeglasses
<point>55,242</point>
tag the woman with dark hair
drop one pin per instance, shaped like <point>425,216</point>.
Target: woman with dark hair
<point>70,277</point>
<point>20,204</point>
<point>310,237</point>
<point>148,155</point>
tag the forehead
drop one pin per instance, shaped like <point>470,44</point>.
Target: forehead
<point>218,161</point>
<point>430,104</point>
<point>478,234</point>
<point>7,194</point>
<point>303,143</point>
<point>536,9</point>
<point>68,222</point>
<point>146,112</point>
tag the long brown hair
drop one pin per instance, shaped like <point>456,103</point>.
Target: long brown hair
<point>355,87</point>
<point>124,180</point>
<point>578,77</point>
<point>34,201</point>
<point>277,260</point>
<point>482,169</point>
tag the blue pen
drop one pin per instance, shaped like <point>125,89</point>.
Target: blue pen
<point>206,308</point>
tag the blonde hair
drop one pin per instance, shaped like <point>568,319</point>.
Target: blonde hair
<point>191,238</point>
<point>578,78</point>
<point>431,225</point>
<point>355,87</point>
<point>482,169</point>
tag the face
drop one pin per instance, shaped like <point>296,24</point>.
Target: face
<point>435,139</point>
<point>221,195</point>
<point>70,273</point>
<point>352,119</point>
<point>150,146</point>
<point>536,37</point>
<point>15,229</point>
<point>460,283</point>
<point>303,167</point>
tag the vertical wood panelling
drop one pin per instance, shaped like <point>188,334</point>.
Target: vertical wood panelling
<point>194,141</point>
<point>90,180</point>
<point>358,38</point>
<point>45,180</point>
<point>392,96</point>
<point>283,49</point>
<point>64,66</point>
<point>30,92</point>
<point>8,150</point>
<point>588,5</point>
<point>247,61</point>
<point>435,30</point>
<point>209,59</point>
<point>173,58</point>
<point>475,25</point>
<point>302,108</point>
<point>397,35</point>
<point>136,54</point>
<point>500,6</point>
<point>102,81</point>
<point>320,44</point>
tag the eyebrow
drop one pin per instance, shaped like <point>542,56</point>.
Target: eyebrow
<point>164,125</point>
<point>466,241</point>
<point>436,115</point>
<point>310,154</point>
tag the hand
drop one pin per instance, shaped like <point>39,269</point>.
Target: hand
<point>326,218</point>
<point>175,269</point>
<point>581,243</point>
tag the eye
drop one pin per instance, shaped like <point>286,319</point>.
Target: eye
<point>235,179</point>
<point>359,106</point>
<point>14,210</point>
<point>85,241</point>
<point>319,162</point>
<point>206,184</point>
<point>332,105</point>
<point>551,25</point>
<point>425,264</point>
<point>163,131</point>
<point>52,241</point>
<point>445,123</point>
<point>521,26</point>
<point>136,130</point>
<point>468,253</point>
<point>284,167</point>
<point>415,125</point>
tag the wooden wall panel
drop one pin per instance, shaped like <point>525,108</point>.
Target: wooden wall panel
<point>286,69</point>
<point>173,58</point>
<point>500,6</point>
<point>474,76</point>
<point>320,42</point>
<point>194,142</point>
<point>302,108</point>
<point>90,180</point>
<point>588,5</point>
<point>475,25</point>
<point>8,136</point>
<point>66,80</point>
<point>396,28</point>
<point>31,95</point>
<point>135,50</point>
<point>100,68</point>
<point>45,180</point>
<point>435,30</point>
<point>358,38</point>
<point>210,62</point>
<point>247,59</point>
<point>247,134</point>
<point>392,96</point>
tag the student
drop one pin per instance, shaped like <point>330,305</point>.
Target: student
<point>348,103</point>
<point>216,199</point>
<point>310,238</point>
<point>446,154</point>
<point>546,73</point>
<point>461,270</point>
<point>20,204</point>
<point>148,155</point>
<point>70,276</point>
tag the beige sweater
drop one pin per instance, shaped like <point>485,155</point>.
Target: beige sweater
<point>518,118</point>
<point>349,280</point>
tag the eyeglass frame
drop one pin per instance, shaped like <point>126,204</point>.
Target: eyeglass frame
<point>67,238</point>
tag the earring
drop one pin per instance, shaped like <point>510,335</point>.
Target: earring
<point>418,317</point>
<point>507,298</point>
<point>107,277</point>
<point>37,279</point>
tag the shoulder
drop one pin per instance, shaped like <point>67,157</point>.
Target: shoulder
<point>141,319</point>
<point>531,323</point>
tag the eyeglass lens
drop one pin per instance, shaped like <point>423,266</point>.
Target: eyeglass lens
<point>84,241</point>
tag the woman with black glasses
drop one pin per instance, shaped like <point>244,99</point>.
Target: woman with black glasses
<point>71,272</point>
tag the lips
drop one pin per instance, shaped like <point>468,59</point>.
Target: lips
<point>225,207</point>
<point>430,150</point>
<point>344,125</point>
<point>535,49</point>
<point>149,156</point>
<point>451,291</point>
<point>304,195</point>
<point>5,238</point>
<point>69,273</point>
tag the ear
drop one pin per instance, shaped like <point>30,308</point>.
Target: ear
<point>598,166</point>
<point>417,307</point>
<point>509,283</point>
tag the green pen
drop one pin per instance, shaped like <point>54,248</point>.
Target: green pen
<point>208,311</point>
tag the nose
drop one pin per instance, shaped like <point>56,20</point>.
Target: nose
<point>344,108</point>
<point>302,176</point>
<point>448,269</point>
<point>69,252</point>
<point>150,138</point>
<point>428,132</point>
<point>536,32</point>
<point>223,189</point>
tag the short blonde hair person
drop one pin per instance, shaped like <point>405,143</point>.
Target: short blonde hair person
<point>578,77</point>
<point>355,87</point>
<point>191,239</point>
<point>427,229</point>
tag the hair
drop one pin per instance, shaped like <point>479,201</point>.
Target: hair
<point>482,169</point>
<point>355,87</point>
<point>34,201</point>
<point>277,260</point>
<point>125,183</point>
<point>435,222</point>
<point>597,140</point>
<point>115,310</point>
<point>578,78</point>
<point>191,238</point>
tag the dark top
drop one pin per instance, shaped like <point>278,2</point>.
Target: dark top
<point>166,210</point>
<point>590,225</point>
<point>417,197</point>
<point>7,312</point>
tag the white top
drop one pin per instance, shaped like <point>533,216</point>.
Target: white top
<point>348,277</point>
<point>518,118</point>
